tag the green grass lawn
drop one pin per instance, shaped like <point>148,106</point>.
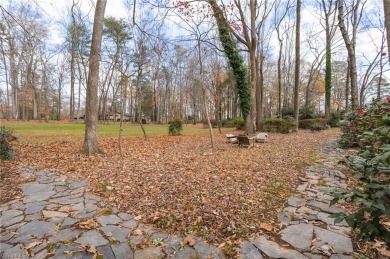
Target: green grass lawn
<point>62,131</point>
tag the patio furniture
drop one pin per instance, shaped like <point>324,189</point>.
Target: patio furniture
<point>231,138</point>
<point>245,141</point>
<point>261,138</point>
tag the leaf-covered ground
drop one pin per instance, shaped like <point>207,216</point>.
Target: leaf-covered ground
<point>180,184</point>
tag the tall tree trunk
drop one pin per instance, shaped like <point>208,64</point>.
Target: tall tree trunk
<point>347,85</point>
<point>297,62</point>
<point>91,145</point>
<point>350,45</point>
<point>386,8</point>
<point>203,86</point>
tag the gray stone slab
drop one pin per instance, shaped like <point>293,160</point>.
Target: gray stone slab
<point>340,256</point>
<point>38,248</point>
<point>18,205</point>
<point>151,252</point>
<point>131,224</point>
<point>122,250</point>
<point>172,244</point>
<point>36,208</point>
<point>63,252</point>
<point>85,215</point>
<point>65,235</point>
<point>4,247</point>
<point>160,236</point>
<point>116,233</point>
<point>38,196</point>
<point>296,202</point>
<point>5,236</point>
<point>125,216</point>
<point>313,256</point>
<point>340,243</point>
<point>16,226</point>
<point>67,200</point>
<point>15,252</point>
<point>54,214</point>
<point>205,251</point>
<point>302,187</point>
<point>37,228</point>
<point>11,221</point>
<point>41,255</point>
<point>136,240</point>
<point>186,252</point>
<point>10,214</point>
<point>93,238</point>
<point>31,217</point>
<point>108,220</point>
<point>249,251</point>
<point>69,222</point>
<point>35,187</point>
<point>324,207</point>
<point>299,236</point>
<point>91,207</point>
<point>325,217</point>
<point>78,184</point>
<point>106,251</point>
<point>273,250</point>
<point>91,196</point>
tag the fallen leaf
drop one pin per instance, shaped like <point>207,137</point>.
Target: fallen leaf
<point>137,232</point>
<point>189,240</point>
<point>267,226</point>
<point>33,244</point>
<point>88,224</point>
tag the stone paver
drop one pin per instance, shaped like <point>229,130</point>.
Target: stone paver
<point>46,221</point>
<point>299,236</point>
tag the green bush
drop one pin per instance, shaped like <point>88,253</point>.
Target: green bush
<point>6,150</point>
<point>369,130</point>
<point>306,113</point>
<point>279,125</point>
<point>335,118</point>
<point>175,127</point>
<point>308,123</point>
<point>317,127</point>
<point>237,123</point>
<point>287,112</point>
<point>214,124</point>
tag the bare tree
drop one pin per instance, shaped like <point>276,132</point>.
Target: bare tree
<point>350,43</point>
<point>297,61</point>
<point>386,8</point>
<point>91,145</point>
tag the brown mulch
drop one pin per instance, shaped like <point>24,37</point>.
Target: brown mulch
<point>182,185</point>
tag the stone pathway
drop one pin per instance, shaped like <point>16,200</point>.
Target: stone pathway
<point>309,232</point>
<point>57,218</point>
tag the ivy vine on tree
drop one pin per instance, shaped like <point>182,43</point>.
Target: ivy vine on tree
<point>235,60</point>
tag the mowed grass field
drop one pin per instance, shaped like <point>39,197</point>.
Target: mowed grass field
<point>35,131</point>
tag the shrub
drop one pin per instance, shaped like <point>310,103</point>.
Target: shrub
<point>287,112</point>
<point>307,124</point>
<point>175,127</point>
<point>237,123</point>
<point>317,127</point>
<point>334,119</point>
<point>306,113</point>
<point>369,129</point>
<point>214,124</point>
<point>6,150</point>
<point>278,125</point>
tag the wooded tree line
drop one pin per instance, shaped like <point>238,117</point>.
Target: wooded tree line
<point>150,72</point>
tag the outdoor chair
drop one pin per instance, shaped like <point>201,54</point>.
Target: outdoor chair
<point>261,137</point>
<point>245,141</point>
<point>231,139</point>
